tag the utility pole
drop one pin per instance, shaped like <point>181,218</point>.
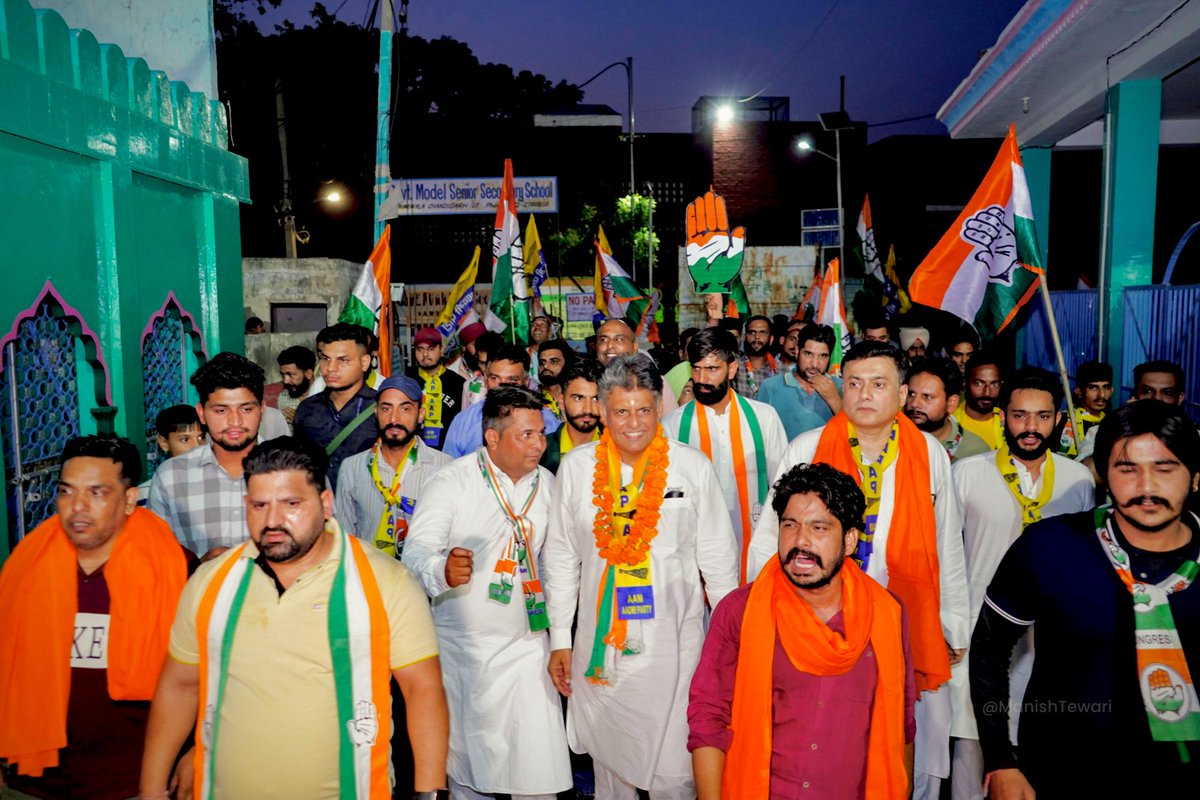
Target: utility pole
<point>383,168</point>
<point>285,211</point>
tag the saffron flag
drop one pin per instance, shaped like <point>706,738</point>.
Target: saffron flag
<point>866,234</point>
<point>987,265</point>
<point>536,270</point>
<point>812,298</point>
<point>615,293</point>
<point>832,312</point>
<point>510,289</point>
<point>460,305</point>
<point>895,299</point>
<point>370,304</point>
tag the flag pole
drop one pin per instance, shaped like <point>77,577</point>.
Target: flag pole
<point>1062,362</point>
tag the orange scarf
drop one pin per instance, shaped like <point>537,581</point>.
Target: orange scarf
<point>912,558</point>
<point>872,615</point>
<point>145,575</point>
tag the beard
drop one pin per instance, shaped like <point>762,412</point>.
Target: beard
<point>710,395</point>
<point>1022,452</point>
<point>297,392</point>
<point>235,447</point>
<point>981,405</point>
<point>546,381</point>
<point>821,579</point>
<point>405,437</point>
<point>755,349</point>
<point>584,423</point>
<point>286,550</point>
<point>926,423</point>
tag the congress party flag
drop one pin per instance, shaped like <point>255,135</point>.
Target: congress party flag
<point>866,234</point>
<point>510,289</point>
<point>616,295</point>
<point>370,304</point>
<point>460,305</point>
<point>832,312</point>
<point>987,265</point>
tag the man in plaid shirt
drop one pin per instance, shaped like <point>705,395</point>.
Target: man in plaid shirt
<point>759,364</point>
<point>200,493</point>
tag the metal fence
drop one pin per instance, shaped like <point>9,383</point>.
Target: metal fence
<point>1075,313</point>
<point>1163,322</point>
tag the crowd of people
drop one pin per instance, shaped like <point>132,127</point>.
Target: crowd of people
<point>721,572</point>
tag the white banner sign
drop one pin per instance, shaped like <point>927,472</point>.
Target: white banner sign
<point>580,307</point>
<point>415,196</point>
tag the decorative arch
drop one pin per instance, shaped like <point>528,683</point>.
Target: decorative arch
<point>54,385</point>
<point>172,348</point>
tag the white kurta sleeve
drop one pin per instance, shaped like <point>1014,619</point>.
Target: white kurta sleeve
<point>561,558</point>
<point>955,600</point>
<point>428,539</point>
<point>774,438</point>
<point>716,546</point>
<point>764,542</point>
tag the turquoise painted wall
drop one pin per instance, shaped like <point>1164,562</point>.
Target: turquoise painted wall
<point>120,194</point>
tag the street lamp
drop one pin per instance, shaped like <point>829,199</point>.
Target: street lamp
<point>724,114</point>
<point>627,65</point>
<point>836,121</point>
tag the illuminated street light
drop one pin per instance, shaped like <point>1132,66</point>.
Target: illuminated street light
<point>725,114</point>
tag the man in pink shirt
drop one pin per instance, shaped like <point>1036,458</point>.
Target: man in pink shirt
<point>836,730</point>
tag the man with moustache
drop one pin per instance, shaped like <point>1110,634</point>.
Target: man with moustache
<point>341,419</point>
<point>743,438</point>
<point>979,413</point>
<point>790,350</point>
<point>507,365</point>
<point>1001,493</point>
<point>441,388</point>
<point>539,332</point>
<point>962,345</point>
<point>638,536</point>
<point>294,637</point>
<point>553,356</point>
<point>807,398</point>
<point>933,388</point>
<point>777,708</point>
<point>758,364</point>
<point>296,366</point>
<point>88,598</point>
<point>1116,624</point>
<point>199,493</point>
<point>912,542</point>
<point>1159,380</point>
<point>581,404</point>
<point>378,489</point>
<point>491,507</point>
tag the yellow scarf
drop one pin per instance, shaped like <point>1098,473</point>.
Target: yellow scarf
<point>432,400</point>
<point>392,529</point>
<point>1031,507</point>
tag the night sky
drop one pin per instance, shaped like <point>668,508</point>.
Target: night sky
<point>901,58</point>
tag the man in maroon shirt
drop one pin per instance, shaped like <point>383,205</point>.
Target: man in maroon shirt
<point>823,721</point>
<point>74,699</point>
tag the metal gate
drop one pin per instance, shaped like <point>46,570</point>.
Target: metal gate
<point>1161,322</point>
<point>39,386</point>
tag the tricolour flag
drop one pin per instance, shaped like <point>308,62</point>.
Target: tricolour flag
<point>616,295</point>
<point>536,271</point>
<point>460,305</point>
<point>739,301</point>
<point>370,304</point>
<point>832,312</point>
<point>987,265</point>
<point>510,289</point>
<point>895,299</point>
<point>866,234</point>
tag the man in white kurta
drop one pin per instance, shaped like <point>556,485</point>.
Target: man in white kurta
<point>635,727</point>
<point>993,518</point>
<point>506,726</point>
<point>933,713</point>
<point>745,470</point>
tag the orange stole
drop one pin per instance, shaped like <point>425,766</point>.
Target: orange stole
<point>872,615</point>
<point>145,576</point>
<point>912,558</point>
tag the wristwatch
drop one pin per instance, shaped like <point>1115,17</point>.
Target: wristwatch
<point>440,794</point>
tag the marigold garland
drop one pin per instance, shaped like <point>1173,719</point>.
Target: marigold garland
<point>632,548</point>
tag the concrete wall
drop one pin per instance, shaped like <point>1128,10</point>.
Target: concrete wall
<point>775,278</point>
<point>173,35</point>
<point>281,280</point>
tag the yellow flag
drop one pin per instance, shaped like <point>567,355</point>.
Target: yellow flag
<point>461,300</point>
<point>602,246</point>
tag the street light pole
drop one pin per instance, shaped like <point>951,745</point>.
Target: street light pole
<point>383,167</point>
<point>627,65</point>
<point>837,134</point>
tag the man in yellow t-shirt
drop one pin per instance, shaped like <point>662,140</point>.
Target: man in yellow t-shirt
<point>278,675</point>
<point>979,414</point>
